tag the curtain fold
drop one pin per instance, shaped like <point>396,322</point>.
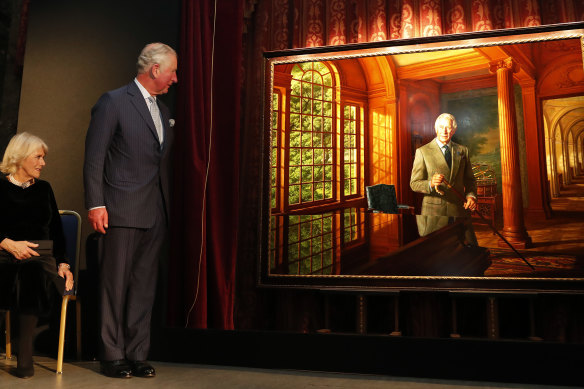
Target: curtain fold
<point>206,166</point>
<point>307,23</point>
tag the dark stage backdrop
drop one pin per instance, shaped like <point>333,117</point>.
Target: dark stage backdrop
<point>75,51</point>
<point>12,40</point>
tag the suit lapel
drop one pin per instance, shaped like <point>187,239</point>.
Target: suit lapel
<point>139,103</point>
<point>438,157</point>
<point>164,114</point>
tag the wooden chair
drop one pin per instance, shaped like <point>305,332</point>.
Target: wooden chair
<point>72,229</point>
<point>382,198</point>
<point>7,333</point>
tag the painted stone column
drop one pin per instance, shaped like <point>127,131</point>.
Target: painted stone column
<point>405,195</point>
<point>513,223</point>
<point>554,181</point>
<point>580,155</point>
<point>577,156</point>
<point>536,158</point>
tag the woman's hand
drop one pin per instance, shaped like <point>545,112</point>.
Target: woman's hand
<point>21,249</point>
<point>65,273</point>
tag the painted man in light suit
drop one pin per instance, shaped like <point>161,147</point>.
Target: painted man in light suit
<point>432,167</point>
<point>126,178</point>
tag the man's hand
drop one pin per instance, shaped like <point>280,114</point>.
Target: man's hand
<point>437,179</point>
<point>470,203</point>
<point>98,219</point>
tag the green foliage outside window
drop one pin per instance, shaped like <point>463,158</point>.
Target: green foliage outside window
<point>311,140</point>
<point>276,109</point>
<point>310,244</point>
<point>350,154</point>
<point>272,242</point>
<point>352,225</point>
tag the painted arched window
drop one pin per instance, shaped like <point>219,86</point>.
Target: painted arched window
<point>317,155</point>
<point>311,136</point>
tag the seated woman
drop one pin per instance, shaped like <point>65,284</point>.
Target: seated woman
<point>29,282</point>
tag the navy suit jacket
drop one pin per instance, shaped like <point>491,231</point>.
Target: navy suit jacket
<point>125,168</point>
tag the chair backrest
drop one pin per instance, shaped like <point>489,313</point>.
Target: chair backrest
<point>382,198</point>
<point>72,228</point>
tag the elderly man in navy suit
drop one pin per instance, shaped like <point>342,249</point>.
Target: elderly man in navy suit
<point>126,178</point>
<point>440,160</point>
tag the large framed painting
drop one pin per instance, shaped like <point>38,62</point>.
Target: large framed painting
<point>342,125</point>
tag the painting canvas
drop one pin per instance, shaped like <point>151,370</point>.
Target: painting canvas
<point>477,116</point>
<point>339,122</point>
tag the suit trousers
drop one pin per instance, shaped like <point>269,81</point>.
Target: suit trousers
<point>469,233</point>
<point>128,266</point>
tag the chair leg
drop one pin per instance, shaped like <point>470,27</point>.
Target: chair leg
<point>7,332</point>
<point>78,325</point>
<point>62,334</point>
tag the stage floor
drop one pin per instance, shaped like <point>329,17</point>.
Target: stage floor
<point>85,375</point>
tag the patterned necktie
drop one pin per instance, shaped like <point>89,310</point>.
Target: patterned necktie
<point>447,155</point>
<point>155,112</point>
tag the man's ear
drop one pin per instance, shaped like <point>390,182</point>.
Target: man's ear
<point>154,70</point>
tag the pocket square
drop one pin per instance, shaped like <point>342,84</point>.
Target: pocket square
<point>171,122</point>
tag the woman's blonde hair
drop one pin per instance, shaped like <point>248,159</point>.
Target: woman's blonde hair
<point>20,146</point>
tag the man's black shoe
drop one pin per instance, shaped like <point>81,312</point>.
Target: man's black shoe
<point>142,369</point>
<point>116,369</point>
<point>23,373</point>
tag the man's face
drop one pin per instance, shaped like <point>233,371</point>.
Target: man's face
<point>164,75</point>
<point>444,130</point>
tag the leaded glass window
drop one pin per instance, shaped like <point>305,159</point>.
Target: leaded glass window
<point>311,135</point>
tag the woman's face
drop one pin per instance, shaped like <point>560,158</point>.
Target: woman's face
<point>31,166</point>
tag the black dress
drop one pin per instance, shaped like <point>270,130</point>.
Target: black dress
<point>31,285</point>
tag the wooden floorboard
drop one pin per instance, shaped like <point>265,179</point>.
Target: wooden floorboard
<point>561,234</point>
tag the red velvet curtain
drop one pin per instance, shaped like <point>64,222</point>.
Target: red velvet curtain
<point>206,165</point>
<point>305,23</point>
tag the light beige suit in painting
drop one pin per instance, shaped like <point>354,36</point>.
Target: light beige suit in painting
<point>430,160</point>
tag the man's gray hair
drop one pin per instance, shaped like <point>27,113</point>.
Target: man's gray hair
<point>446,116</point>
<point>153,53</point>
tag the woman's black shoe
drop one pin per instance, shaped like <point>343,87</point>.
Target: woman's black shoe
<point>116,369</point>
